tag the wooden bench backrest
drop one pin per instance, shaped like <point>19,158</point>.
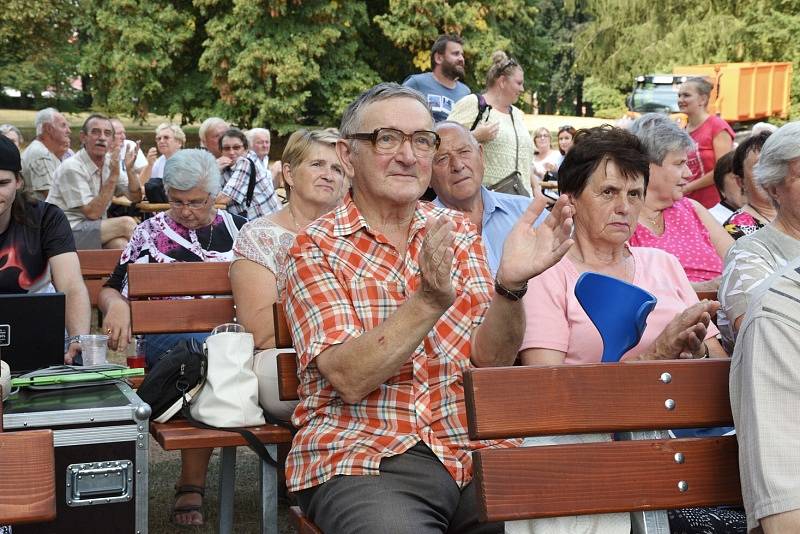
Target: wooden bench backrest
<point>287,362</point>
<point>550,481</point>
<point>96,267</point>
<point>180,279</point>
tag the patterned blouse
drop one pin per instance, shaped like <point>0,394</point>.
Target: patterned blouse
<point>741,223</point>
<point>267,244</point>
<point>161,239</point>
<point>685,237</point>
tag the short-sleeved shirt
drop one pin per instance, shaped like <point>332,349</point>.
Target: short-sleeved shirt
<point>500,212</point>
<point>685,237</point>
<point>765,395</point>
<point>344,278</point>
<point>555,319</point>
<point>741,223</point>
<point>161,239</point>
<point>750,261</point>
<point>77,182</point>
<point>264,201</point>
<point>440,98</point>
<point>25,251</point>
<point>499,154</point>
<point>158,167</point>
<point>703,159</point>
<point>266,243</point>
<point>38,167</point>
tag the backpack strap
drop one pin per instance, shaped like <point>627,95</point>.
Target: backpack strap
<point>482,107</point>
<point>251,185</point>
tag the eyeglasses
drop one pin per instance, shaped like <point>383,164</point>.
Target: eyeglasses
<point>543,136</point>
<point>192,204</point>
<point>564,128</point>
<point>388,141</point>
<point>510,63</point>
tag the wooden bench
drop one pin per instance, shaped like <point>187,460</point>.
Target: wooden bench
<point>288,383</point>
<point>644,476</point>
<point>199,315</point>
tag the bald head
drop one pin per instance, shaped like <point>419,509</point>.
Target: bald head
<point>457,171</point>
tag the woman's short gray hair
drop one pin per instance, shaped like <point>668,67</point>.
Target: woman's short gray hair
<point>660,135</point>
<point>352,118</point>
<point>176,130</point>
<point>780,149</point>
<point>190,168</point>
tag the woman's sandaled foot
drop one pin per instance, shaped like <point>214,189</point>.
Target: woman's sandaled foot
<point>188,507</point>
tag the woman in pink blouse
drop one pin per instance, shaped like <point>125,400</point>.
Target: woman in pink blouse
<point>605,175</point>
<point>669,221</point>
<point>713,136</point>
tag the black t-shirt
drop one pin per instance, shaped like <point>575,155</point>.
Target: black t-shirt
<point>26,250</point>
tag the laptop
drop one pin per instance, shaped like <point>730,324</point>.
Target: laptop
<point>32,331</point>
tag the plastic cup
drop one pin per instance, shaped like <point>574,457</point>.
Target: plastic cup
<point>94,349</point>
<point>228,327</point>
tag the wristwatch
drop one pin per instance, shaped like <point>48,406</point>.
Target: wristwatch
<point>72,339</point>
<point>510,294</point>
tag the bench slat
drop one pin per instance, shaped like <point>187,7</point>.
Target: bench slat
<point>522,401</point>
<point>287,376</point>
<point>27,477</point>
<point>283,335</point>
<point>165,316</point>
<point>178,279</point>
<point>179,434</point>
<point>98,263</point>
<point>550,481</point>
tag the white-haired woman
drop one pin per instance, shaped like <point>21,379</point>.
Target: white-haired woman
<point>191,230</point>
<point>756,256</point>
<point>678,225</point>
<point>316,183</point>
<point>169,139</point>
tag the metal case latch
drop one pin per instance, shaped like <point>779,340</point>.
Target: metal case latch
<point>99,483</point>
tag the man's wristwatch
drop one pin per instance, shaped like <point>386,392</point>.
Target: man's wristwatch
<point>510,294</point>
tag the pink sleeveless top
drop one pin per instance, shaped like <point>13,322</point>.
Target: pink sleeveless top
<point>685,237</point>
<point>702,160</point>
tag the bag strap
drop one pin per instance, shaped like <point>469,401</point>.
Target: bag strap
<point>482,107</point>
<point>516,139</point>
<point>252,441</point>
<point>251,185</point>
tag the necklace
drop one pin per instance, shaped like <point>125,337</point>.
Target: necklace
<point>656,222</point>
<point>764,218</point>
<point>297,227</point>
<point>210,237</point>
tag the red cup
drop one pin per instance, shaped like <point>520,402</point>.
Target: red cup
<point>136,362</point>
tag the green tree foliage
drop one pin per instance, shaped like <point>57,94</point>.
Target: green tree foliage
<point>272,63</point>
<point>40,50</point>
<point>630,37</point>
<point>142,56</point>
<point>487,25</point>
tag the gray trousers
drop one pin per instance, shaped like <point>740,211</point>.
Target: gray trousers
<point>414,494</point>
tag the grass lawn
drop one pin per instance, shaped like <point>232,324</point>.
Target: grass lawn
<point>25,117</point>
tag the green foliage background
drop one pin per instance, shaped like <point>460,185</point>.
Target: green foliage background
<point>283,63</point>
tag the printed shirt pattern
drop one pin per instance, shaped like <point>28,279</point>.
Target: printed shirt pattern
<point>343,279</point>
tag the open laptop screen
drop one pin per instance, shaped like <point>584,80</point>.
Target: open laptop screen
<point>31,330</point>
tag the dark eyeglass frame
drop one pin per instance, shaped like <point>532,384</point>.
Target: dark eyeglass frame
<point>565,128</point>
<point>373,138</point>
<point>510,63</point>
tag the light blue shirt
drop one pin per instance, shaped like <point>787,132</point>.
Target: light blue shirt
<point>500,212</point>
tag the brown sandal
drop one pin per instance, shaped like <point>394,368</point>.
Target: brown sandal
<point>188,508</point>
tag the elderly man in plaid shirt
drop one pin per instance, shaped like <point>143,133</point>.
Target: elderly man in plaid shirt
<point>390,299</point>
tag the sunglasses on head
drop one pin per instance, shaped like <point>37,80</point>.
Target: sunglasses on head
<point>564,128</point>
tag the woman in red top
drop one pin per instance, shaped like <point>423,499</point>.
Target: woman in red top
<point>713,136</point>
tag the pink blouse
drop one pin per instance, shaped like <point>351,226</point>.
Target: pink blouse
<point>554,319</point>
<point>703,159</point>
<point>685,237</point>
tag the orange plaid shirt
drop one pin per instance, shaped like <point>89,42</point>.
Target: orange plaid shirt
<point>344,279</point>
